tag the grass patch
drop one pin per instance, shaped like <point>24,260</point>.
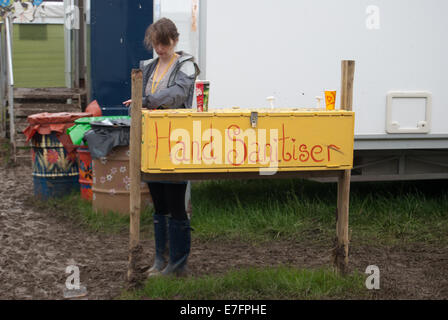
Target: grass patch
<point>5,152</point>
<point>80,211</point>
<point>263,210</point>
<point>299,210</point>
<point>255,283</point>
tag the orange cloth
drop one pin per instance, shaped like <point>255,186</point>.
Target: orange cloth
<point>94,108</point>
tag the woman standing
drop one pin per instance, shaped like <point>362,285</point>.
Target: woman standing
<point>168,83</point>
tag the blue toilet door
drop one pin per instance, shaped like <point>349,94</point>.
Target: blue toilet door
<point>116,47</point>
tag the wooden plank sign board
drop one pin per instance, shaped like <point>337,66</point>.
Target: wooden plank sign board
<point>246,140</point>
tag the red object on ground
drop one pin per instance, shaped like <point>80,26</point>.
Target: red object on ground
<point>85,172</point>
<point>45,123</point>
<point>94,108</point>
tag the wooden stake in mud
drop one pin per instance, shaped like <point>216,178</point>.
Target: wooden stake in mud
<point>134,169</point>
<point>340,253</point>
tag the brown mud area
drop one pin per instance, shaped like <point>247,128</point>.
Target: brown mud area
<point>36,247</point>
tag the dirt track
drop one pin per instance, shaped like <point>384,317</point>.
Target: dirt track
<point>36,247</point>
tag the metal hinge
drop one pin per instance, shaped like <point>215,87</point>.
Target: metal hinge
<point>254,119</point>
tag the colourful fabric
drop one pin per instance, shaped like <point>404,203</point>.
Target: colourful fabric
<point>85,172</point>
<point>51,159</point>
<point>46,123</point>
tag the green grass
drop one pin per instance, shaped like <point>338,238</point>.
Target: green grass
<point>295,210</point>
<point>80,211</point>
<point>255,283</point>
<point>263,210</point>
<point>5,152</point>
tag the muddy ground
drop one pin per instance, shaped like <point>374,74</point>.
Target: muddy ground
<point>36,247</point>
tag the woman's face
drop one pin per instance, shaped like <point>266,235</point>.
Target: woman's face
<point>165,51</point>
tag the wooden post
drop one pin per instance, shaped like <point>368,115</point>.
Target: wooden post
<point>347,76</point>
<point>340,252</point>
<point>134,170</point>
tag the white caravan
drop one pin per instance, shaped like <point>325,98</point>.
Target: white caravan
<point>292,50</point>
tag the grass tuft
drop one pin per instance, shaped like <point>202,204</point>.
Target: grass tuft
<point>5,152</point>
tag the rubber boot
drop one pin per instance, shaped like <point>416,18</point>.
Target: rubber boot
<point>161,239</point>
<point>180,241</point>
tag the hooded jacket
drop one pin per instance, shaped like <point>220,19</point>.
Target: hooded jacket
<point>180,90</point>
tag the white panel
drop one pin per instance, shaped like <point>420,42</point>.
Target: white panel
<point>181,13</point>
<point>408,112</point>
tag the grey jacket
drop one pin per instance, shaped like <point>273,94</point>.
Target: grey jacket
<point>180,90</point>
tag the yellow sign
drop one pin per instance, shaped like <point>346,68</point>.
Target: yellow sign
<point>243,140</point>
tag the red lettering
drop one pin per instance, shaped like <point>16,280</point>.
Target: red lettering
<point>257,159</point>
<point>183,158</point>
<point>236,131</point>
<point>211,149</point>
<point>332,147</point>
<point>294,149</point>
<point>235,155</point>
<point>266,150</point>
<point>198,148</point>
<point>169,137</point>
<point>306,156</point>
<point>318,152</point>
<point>283,139</point>
<point>244,146</point>
<point>157,140</point>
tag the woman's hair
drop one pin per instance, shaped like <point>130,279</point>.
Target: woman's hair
<point>160,32</point>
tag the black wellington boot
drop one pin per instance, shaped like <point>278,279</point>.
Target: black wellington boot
<point>180,241</point>
<point>161,239</point>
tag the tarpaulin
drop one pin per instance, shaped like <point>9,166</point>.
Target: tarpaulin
<point>107,134</point>
<point>82,125</point>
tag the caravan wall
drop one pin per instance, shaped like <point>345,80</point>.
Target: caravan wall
<point>292,49</point>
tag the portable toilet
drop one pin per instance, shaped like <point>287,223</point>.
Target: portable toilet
<point>117,29</point>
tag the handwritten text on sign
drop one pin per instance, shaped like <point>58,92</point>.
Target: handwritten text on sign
<point>233,145</point>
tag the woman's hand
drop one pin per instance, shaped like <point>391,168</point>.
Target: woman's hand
<point>127,103</point>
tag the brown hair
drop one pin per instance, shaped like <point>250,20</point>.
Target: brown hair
<point>160,32</point>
